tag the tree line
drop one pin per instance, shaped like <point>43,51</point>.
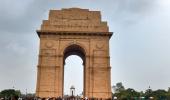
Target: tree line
<point>12,94</point>
<point>120,93</point>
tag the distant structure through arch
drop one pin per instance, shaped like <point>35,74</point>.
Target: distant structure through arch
<point>74,31</point>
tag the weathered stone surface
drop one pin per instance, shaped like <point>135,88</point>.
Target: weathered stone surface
<point>74,19</point>
<point>80,32</point>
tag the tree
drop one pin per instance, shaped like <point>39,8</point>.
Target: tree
<point>160,94</point>
<point>119,87</point>
<point>169,89</point>
<point>130,94</point>
<point>168,94</point>
<point>148,93</point>
<point>124,94</point>
<point>9,93</point>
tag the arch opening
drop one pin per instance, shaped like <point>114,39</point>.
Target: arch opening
<point>74,69</point>
<point>73,75</point>
<point>74,50</point>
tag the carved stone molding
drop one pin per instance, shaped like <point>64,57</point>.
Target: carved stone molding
<point>99,45</point>
<point>49,44</point>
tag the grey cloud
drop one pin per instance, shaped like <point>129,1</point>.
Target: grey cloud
<point>135,6</point>
<point>129,12</point>
<point>22,19</point>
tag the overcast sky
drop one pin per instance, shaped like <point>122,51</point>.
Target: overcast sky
<point>139,48</point>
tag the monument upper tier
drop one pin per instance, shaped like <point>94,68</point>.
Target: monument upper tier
<point>74,20</point>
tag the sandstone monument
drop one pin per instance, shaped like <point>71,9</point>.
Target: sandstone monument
<point>74,31</point>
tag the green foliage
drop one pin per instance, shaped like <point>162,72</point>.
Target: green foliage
<point>168,95</point>
<point>148,93</point>
<point>127,94</point>
<point>10,93</point>
<point>130,94</point>
<point>169,89</point>
<point>119,87</point>
<point>158,94</point>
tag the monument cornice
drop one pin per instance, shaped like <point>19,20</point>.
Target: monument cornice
<point>78,33</point>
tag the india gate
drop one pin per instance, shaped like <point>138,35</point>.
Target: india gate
<point>80,32</point>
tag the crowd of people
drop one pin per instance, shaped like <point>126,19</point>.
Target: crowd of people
<point>31,98</point>
<point>51,98</point>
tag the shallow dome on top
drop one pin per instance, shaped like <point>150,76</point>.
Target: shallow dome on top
<point>72,87</point>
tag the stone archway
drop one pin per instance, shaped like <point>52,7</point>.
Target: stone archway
<point>74,31</point>
<point>75,49</point>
